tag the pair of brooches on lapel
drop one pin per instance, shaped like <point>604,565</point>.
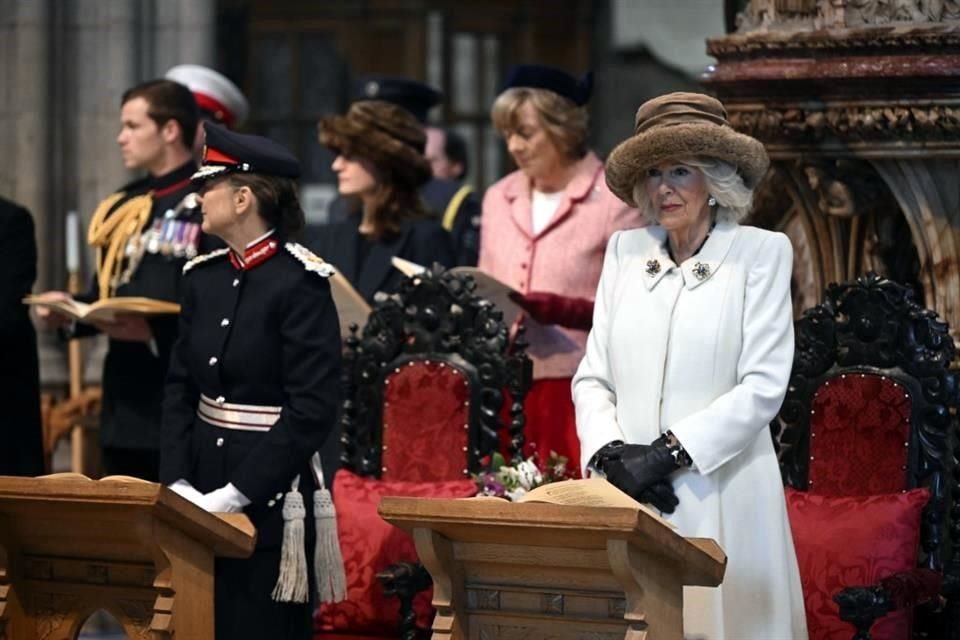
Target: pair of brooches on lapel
<point>700,270</point>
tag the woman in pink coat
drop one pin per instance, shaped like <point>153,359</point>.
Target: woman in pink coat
<point>545,228</point>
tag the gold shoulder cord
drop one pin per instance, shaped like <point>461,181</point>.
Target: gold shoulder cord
<point>453,207</point>
<point>109,232</point>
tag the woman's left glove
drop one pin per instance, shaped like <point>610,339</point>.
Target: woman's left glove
<point>640,466</point>
<point>226,499</point>
<point>553,308</point>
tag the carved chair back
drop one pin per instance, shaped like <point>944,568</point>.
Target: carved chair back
<point>424,384</point>
<point>871,411</point>
<point>871,404</point>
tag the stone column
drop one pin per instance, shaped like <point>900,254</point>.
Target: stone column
<point>64,65</point>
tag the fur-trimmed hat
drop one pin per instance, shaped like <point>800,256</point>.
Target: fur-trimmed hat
<point>677,126</point>
<point>386,135</point>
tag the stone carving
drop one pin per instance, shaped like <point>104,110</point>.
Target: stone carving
<point>868,123</point>
<point>797,15</point>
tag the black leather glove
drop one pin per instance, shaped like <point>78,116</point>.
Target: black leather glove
<point>613,459</point>
<point>640,466</point>
<point>660,496</point>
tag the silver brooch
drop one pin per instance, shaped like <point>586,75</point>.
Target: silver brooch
<point>653,267</point>
<point>701,271</point>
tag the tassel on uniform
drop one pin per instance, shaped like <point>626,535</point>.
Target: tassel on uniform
<point>292,583</point>
<point>327,558</point>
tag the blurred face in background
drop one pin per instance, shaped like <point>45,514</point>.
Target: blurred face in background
<point>142,141</point>
<point>532,148</point>
<point>440,164</point>
<point>355,176</point>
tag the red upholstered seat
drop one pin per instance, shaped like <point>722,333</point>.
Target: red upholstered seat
<point>851,541</point>
<point>370,545</point>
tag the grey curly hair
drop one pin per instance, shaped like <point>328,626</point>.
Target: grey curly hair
<point>724,183</point>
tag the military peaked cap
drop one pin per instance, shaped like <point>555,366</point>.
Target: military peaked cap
<point>227,151</point>
<point>416,97</point>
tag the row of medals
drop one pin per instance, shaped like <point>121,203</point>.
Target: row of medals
<point>167,236</point>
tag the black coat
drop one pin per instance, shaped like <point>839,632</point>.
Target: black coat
<point>21,451</point>
<point>464,227</point>
<point>421,241</point>
<point>267,336</point>
<point>133,375</point>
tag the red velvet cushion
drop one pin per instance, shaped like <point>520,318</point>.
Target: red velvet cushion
<point>370,544</point>
<point>853,541</point>
<point>426,409</point>
<point>859,427</point>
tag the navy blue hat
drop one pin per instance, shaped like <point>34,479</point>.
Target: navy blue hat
<point>537,76</point>
<point>416,97</point>
<point>227,151</point>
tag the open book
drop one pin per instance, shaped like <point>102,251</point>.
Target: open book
<point>106,310</point>
<point>351,307</point>
<point>488,287</point>
<point>589,492</point>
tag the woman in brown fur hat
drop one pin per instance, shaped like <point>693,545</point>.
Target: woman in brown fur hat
<point>689,358</point>
<point>379,163</point>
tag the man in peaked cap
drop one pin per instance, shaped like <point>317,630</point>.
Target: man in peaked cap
<point>143,234</point>
<point>219,100</point>
<point>456,205</point>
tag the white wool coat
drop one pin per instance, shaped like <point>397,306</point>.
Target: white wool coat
<point>704,350</point>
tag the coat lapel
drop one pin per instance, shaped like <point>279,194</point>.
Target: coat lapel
<point>656,260</point>
<point>701,267</point>
<point>580,187</point>
<point>517,192</point>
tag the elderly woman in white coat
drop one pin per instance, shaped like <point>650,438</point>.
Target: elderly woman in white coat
<point>688,361</point>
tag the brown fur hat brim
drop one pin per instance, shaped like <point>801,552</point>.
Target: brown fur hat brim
<point>385,135</point>
<point>629,161</point>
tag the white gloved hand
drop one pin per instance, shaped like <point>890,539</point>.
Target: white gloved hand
<point>185,490</point>
<point>226,499</point>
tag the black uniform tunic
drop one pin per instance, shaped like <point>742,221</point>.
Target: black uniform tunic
<point>133,374</point>
<point>265,333</point>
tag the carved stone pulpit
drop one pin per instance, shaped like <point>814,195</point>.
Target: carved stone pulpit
<point>70,546</point>
<point>858,104</point>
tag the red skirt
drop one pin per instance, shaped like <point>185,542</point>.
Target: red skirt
<point>551,423</point>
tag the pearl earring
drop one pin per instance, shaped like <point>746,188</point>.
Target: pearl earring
<point>711,201</point>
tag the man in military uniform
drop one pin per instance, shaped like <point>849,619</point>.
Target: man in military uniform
<point>143,234</point>
<point>454,204</point>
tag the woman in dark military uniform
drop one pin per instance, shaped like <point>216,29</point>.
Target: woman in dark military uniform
<point>252,390</point>
<point>380,164</point>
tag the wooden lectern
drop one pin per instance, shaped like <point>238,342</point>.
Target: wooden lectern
<point>70,546</point>
<point>508,571</point>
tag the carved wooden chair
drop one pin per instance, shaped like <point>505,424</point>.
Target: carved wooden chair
<point>424,388</point>
<point>866,439</point>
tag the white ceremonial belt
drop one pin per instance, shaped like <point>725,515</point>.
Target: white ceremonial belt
<point>242,417</point>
